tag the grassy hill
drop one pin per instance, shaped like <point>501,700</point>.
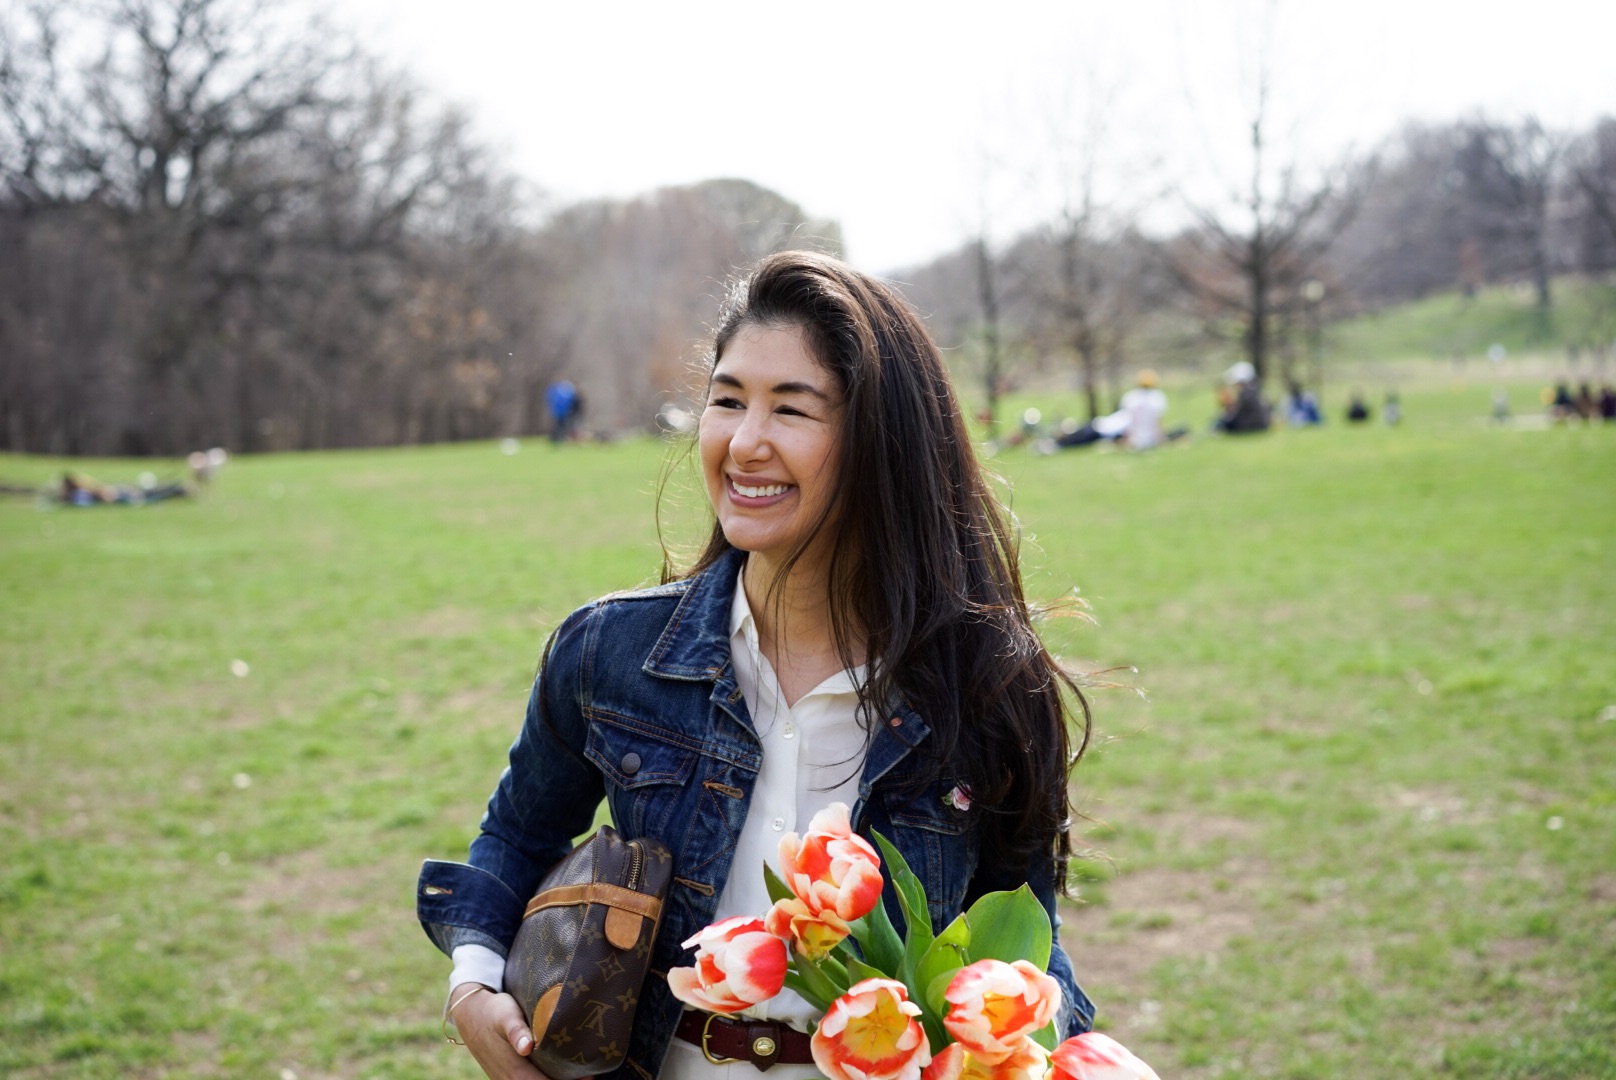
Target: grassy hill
<point>1450,325</point>
<point>1363,824</point>
<point>1441,341</point>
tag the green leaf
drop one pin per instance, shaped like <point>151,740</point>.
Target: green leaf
<point>796,982</point>
<point>917,936</point>
<point>835,970</point>
<point>1045,1036</point>
<point>879,941</point>
<point>936,1005</point>
<point>778,890</point>
<point>858,971</point>
<point>945,956</point>
<point>1010,926</point>
<point>826,984</point>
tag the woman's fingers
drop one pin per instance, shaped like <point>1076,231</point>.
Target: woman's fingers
<point>516,1032</point>
<point>498,1037</point>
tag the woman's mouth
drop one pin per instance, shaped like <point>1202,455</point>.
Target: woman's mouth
<point>760,491</point>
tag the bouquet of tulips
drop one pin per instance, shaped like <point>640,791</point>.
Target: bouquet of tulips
<point>971,1002</point>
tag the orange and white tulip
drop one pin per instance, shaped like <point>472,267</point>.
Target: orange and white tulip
<point>993,1006</point>
<point>811,934</point>
<point>1028,1061</point>
<point>871,1033</point>
<point>738,964</point>
<point>832,868</point>
<point>1092,1056</point>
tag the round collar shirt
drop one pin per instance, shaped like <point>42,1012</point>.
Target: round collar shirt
<point>813,754</point>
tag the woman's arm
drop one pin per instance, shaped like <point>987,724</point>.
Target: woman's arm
<point>545,798</point>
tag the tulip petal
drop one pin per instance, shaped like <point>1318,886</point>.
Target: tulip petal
<point>1093,1056</point>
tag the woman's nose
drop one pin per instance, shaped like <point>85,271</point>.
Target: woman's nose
<point>751,439</point>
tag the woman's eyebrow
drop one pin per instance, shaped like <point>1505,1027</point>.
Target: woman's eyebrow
<point>723,378</point>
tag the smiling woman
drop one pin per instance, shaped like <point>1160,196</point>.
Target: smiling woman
<point>768,440</point>
<point>853,632</point>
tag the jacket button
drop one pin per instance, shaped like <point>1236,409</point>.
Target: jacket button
<point>630,764</point>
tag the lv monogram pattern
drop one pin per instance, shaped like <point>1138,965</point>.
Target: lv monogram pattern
<point>563,952</point>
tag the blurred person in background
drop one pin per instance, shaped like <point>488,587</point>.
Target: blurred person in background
<point>1587,408</point>
<point>1562,406</point>
<point>1301,407</point>
<point>563,401</point>
<point>1144,406</point>
<point>1245,411</point>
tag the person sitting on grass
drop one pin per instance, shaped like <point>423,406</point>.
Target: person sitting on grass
<point>1246,411</point>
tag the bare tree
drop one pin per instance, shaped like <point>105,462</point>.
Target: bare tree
<point>295,250</point>
<point>1246,260</point>
<point>632,286</point>
<point>1509,172</point>
<point>1591,165</point>
<point>987,295</point>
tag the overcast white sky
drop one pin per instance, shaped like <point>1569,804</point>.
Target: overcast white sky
<point>911,123</point>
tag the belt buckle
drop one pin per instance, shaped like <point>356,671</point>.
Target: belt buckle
<point>708,1054</point>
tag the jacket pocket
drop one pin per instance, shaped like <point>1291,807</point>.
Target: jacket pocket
<point>939,848</point>
<point>647,773</point>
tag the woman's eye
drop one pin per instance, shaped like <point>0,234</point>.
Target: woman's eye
<point>724,403</point>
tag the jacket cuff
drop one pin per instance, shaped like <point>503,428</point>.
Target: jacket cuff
<point>459,904</point>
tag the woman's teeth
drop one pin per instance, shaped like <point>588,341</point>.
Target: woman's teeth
<point>760,492</point>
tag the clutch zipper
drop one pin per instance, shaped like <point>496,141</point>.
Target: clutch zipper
<point>635,863</point>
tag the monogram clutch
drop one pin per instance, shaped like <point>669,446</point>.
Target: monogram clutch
<point>582,952</point>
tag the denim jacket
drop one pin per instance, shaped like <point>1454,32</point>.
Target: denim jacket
<point>644,711</point>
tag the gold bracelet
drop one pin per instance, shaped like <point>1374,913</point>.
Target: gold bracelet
<point>448,1013</point>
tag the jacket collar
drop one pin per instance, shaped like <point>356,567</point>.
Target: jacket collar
<point>694,647</point>
<point>695,643</point>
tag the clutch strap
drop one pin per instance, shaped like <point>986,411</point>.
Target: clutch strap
<point>629,909</point>
<point>597,892</point>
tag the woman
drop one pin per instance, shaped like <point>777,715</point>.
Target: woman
<point>854,631</point>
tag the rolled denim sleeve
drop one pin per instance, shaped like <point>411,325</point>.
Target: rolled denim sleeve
<point>546,796</point>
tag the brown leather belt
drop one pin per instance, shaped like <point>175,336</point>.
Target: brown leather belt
<point>762,1042</point>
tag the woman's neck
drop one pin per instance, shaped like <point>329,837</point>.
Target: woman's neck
<point>793,620</point>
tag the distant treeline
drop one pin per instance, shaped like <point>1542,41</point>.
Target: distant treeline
<point>1452,206</point>
<point>218,228</point>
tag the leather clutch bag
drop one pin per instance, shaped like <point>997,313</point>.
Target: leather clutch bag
<point>582,952</point>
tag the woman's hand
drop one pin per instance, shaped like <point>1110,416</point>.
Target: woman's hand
<point>492,1028</point>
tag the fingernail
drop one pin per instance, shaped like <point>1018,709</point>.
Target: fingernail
<point>523,1045</point>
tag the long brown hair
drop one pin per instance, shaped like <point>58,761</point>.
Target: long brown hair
<point>923,567</point>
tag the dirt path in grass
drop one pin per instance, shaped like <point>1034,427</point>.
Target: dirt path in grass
<point>1145,916</point>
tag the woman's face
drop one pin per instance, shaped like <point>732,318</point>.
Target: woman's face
<point>769,437</point>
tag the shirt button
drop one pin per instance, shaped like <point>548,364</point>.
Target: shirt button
<point>630,764</point>
<point>790,731</point>
<point>779,824</point>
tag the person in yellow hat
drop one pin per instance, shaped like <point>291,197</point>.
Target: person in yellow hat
<point>1144,406</point>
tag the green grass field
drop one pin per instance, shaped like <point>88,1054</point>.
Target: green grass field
<point>1363,826</point>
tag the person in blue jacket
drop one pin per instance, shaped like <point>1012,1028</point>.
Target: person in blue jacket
<point>564,403</point>
<point>854,631</point>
